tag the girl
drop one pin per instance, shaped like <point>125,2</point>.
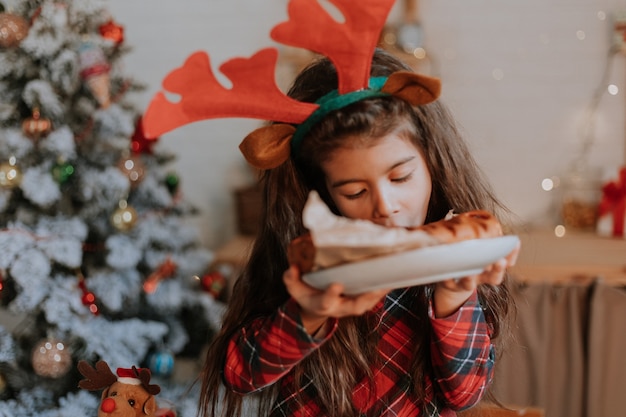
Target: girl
<point>419,351</point>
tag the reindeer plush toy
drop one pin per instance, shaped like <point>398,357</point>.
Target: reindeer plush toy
<point>129,394</point>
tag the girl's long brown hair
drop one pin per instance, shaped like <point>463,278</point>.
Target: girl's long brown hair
<point>457,184</point>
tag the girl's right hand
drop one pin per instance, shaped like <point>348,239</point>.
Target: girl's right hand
<point>317,305</point>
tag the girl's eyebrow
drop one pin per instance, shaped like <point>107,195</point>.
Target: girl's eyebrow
<point>339,183</point>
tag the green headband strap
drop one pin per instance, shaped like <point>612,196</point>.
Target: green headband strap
<point>335,101</point>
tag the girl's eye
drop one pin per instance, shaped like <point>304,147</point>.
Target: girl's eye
<point>354,196</point>
<point>403,179</point>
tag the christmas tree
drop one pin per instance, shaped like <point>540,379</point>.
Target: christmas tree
<point>96,262</point>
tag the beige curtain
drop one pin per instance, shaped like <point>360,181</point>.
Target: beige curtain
<point>606,386</point>
<point>544,365</point>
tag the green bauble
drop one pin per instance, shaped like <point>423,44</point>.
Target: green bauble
<point>172,181</point>
<point>62,172</point>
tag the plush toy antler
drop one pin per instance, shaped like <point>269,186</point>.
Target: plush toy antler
<point>95,378</point>
<point>349,45</point>
<point>143,375</point>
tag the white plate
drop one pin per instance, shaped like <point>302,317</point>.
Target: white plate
<point>415,267</point>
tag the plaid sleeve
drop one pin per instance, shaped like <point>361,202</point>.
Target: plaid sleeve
<point>462,354</point>
<point>262,352</point>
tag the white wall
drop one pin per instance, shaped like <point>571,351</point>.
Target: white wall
<point>523,128</point>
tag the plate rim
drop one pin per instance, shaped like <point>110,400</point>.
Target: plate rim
<point>511,240</point>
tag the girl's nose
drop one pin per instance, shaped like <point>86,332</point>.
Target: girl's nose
<point>384,205</point>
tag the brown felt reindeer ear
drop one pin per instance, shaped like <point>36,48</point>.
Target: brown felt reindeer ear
<point>268,146</point>
<point>414,88</point>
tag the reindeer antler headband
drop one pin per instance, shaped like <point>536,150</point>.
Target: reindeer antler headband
<point>349,45</point>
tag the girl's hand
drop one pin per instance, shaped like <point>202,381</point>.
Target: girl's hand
<point>451,294</point>
<point>317,305</point>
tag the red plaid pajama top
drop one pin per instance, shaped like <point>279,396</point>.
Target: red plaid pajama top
<point>265,351</point>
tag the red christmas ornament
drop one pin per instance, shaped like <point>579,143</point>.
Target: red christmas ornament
<point>36,127</point>
<point>165,270</point>
<point>88,298</point>
<point>139,143</point>
<point>112,31</point>
<point>213,283</point>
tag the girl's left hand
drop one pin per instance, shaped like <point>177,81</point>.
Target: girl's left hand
<point>451,294</point>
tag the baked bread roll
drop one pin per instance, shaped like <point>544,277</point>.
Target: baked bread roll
<point>475,224</point>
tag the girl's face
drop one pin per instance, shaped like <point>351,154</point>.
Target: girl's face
<point>387,183</point>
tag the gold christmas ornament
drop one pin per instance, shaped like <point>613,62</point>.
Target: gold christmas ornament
<point>133,167</point>
<point>36,127</point>
<point>51,358</point>
<point>13,29</point>
<point>10,174</point>
<point>124,218</point>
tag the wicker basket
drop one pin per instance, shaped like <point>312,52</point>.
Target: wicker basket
<point>248,204</point>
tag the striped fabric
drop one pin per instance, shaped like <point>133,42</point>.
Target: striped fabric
<point>265,352</point>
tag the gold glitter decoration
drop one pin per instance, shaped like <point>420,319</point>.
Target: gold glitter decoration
<point>13,29</point>
<point>51,358</point>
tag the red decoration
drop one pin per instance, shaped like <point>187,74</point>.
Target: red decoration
<point>613,204</point>
<point>165,270</point>
<point>139,143</point>
<point>113,32</point>
<point>213,283</point>
<point>36,127</point>
<point>88,298</point>
<point>349,45</point>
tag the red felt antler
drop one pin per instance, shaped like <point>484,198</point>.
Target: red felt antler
<point>254,94</point>
<point>349,45</point>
